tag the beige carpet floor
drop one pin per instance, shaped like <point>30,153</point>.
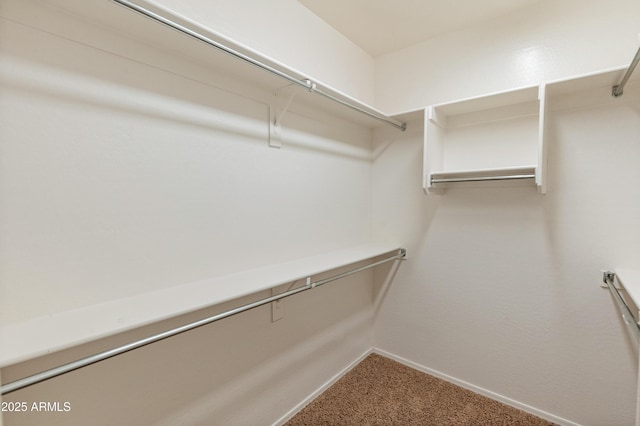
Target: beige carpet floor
<point>380,391</point>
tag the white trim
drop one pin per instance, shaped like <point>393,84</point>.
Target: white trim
<point>489,394</point>
<point>289,415</point>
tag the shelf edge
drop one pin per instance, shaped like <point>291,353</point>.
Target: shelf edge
<point>51,333</point>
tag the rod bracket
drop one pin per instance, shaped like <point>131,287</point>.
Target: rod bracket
<point>616,91</point>
<point>311,86</point>
<point>310,284</point>
<point>277,111</point>
<point>607,276</point>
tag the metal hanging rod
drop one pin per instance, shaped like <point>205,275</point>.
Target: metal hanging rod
<point>608,278</point>
<point>306,83</point>
<point>483,178</point>
<point>92,359</point>
<point>617,90</point>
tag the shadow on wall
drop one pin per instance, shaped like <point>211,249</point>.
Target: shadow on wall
<point>155,88</point>
<point>211,373</point>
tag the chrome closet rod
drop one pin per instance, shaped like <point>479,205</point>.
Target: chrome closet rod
<point>92,359</point>
<point>306,83</point>
<point>617,90</point>
<point>627,316</point>
<point>484,178</point>
<point>390,121</point>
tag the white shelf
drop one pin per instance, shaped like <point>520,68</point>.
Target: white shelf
<point>629,279</point>
<point>43,335</point>
<point>503,134</point>
<point>601,79</point>
<point>592,89</point>
<point>499,135</point>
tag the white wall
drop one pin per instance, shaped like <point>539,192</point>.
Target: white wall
<point>501,290</point>
<point>546,41</point>
<point>288,32</point>
<point>501,286</point>
<point>145,176</point>
<point>124,170</point>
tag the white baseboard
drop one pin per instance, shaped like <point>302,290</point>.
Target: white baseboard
<point>289,415</point>
<point>508,401</point>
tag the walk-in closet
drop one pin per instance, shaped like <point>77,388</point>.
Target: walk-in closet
<point>319,212</point>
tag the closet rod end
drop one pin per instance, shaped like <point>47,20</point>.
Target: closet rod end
<point>616,91</point>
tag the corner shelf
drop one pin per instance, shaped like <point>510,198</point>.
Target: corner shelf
<point>629,279</point>
<point>593,89</point>
<point>627,295</point>
<point>489,138</point>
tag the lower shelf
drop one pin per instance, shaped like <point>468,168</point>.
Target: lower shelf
<point>44,335</point>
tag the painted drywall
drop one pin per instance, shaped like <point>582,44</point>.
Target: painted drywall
<point>124,170</point>
<point>288,32</point>
<point>547,41</point>
<point>501,289</point>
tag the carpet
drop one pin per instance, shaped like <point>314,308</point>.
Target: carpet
<point>380,391</point>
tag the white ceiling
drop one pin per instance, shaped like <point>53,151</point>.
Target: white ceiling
<point>381,26</point>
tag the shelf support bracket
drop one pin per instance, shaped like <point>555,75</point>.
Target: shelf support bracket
<point>276,114</point>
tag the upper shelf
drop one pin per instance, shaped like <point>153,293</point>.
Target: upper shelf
<point>146,22</point>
